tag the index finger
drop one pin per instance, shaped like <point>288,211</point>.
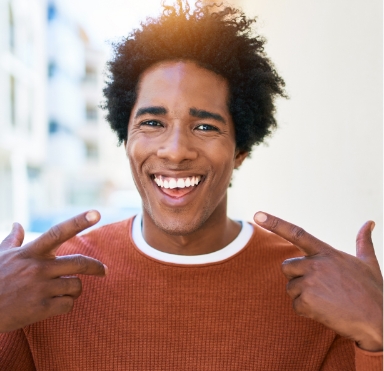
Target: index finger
<point>304,241</point>
<point>47,243</point>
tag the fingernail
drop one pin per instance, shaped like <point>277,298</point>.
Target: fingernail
<point>105,269</point>
<point>373,224</point>
<point>92,216</point>
<point>261,217</point>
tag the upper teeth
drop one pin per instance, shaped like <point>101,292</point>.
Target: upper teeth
<point>168,182</point>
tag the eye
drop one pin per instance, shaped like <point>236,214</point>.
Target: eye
<point>206,127</point>
<point>152,123</point>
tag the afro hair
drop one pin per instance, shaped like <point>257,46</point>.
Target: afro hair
<point>220,41</point>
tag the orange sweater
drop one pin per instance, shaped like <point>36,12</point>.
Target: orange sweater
<point>150,315</point>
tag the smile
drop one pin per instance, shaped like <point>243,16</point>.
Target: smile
<point>171,183</point>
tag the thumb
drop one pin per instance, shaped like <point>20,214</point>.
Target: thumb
<point>15,238</point>
<point>364,245</point>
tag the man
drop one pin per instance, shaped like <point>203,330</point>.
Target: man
<point>188,288</point>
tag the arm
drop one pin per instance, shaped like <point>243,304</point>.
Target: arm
<point>34,283</point>
<point>343,292</point>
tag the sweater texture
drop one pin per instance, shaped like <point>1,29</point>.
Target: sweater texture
<point>148,315</point>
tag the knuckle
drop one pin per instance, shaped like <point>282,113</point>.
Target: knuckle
<point>297,232</point>
<point>300,305</point>
<point>297,307</point>
<point>66,304</point>
<point>285,267</point>
<point>305,302</point>
<point>23,252</point>
<point>78,288</point>
<point>55,233</point>
<point>36,269</point>
<point>288,262</point>
<point>289,288</point>
<point>77,223</point>
<point>316,265</point>
<point>274,224</point>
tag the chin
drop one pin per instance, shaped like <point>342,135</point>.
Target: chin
<point>177,224</point>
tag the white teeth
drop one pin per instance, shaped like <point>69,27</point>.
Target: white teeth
<point>177,182</point>
<point>180,183</point>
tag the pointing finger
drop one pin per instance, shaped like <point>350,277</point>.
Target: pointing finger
<point>15,238</point>
<point>47,243</point>
<point>76,264</point>
<point>304,241</point>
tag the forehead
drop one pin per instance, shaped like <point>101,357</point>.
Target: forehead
<point>182,84</point>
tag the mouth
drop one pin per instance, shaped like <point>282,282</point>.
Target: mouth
<point>177,187</point>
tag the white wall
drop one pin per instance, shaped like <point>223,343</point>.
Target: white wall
<point>322,169</point>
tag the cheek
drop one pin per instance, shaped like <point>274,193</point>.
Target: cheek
<point>135,155</point>
<point>136,150</point>
<point>224,164</point>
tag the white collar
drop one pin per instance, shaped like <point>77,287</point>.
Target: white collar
<point>226,252</point>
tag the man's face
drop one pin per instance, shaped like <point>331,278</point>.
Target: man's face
<point>181,145</point>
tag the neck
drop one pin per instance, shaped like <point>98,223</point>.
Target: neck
<point>215,233</point>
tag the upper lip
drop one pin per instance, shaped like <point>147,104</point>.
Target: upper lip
<point>176,174</point>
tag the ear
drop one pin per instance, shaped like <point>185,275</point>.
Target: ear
<point>240,156</point>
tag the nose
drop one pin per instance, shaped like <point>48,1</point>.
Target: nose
<point>177,146</point>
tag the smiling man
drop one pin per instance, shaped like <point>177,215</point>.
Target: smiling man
<point>182,150</point>
<point>188,288</point>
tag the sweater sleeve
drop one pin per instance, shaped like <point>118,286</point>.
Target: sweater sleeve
<point>15,354</point>
<point>344,354</point>
<point>368,361</point>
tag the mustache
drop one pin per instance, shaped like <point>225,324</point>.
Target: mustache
<point>182,166</point>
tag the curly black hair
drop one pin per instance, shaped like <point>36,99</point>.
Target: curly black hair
<point>220,41</point>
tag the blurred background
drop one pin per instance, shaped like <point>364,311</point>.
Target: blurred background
<point>322,169</point>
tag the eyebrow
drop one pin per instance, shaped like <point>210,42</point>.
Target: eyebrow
<point>199,113</point>
<point>153,110</point>
<point>202,114</point>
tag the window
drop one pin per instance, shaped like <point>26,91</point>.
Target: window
<point>91,113</point>
<point>51,14</point>
<point>12,99</point>
<point>51,69</point>
<point>92,151</point>
<point>11,26</point>
<point>90,75</point>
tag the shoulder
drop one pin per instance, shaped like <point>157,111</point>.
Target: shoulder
<point>267,245</point>
<point>116,234</point>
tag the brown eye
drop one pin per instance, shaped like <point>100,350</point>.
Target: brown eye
<point>206,127</point>
<point>152,123</point>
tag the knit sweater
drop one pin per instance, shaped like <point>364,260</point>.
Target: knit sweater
<point>150,315</point>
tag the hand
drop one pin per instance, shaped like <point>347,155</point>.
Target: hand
<point>343,292</point>
<point>34,283</point>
